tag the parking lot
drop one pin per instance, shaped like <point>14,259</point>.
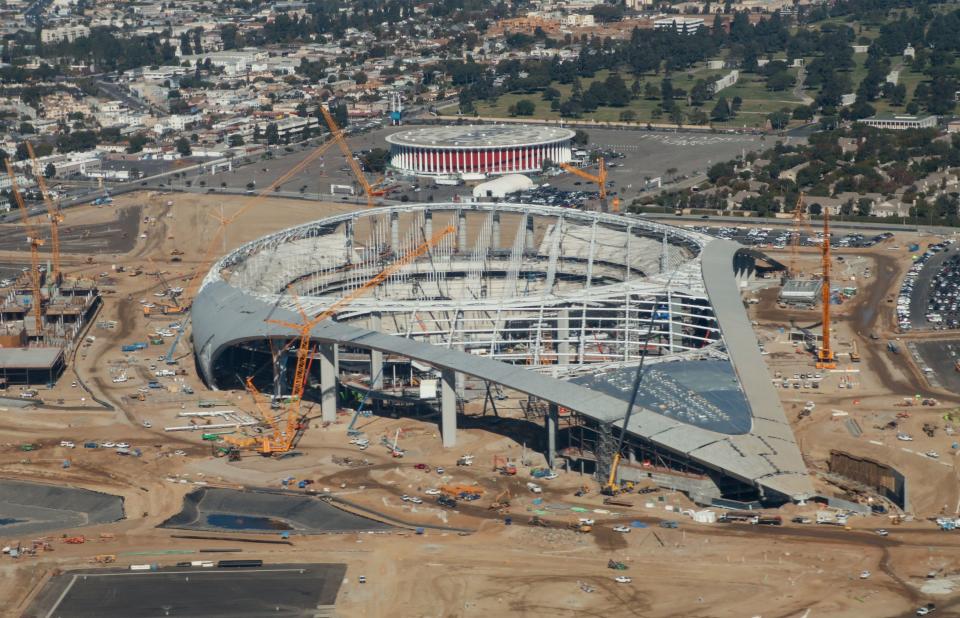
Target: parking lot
<point>782,237</point>
<point>928,294</point>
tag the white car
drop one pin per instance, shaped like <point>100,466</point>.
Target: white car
<point>623,579</point>
<point>108,445</point>
<point>905,437</point>
<point>623,529</point>
<point>864,574</point>
<point>147,424</point>
<point>416,500</point>
<point>932,454</point>
<point>433,492</point>
<point>67,444</point>
<point>405,498</point>
<point>122,445</point>
<point>882,532</point>
<point>587,522</point>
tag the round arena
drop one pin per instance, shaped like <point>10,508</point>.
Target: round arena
<point>477,150</point>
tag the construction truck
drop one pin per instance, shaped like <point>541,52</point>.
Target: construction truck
<point>581,527</point>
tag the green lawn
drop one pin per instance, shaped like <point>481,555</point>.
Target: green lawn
<point>757,100</point>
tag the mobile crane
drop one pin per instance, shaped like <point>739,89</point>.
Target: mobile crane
<point>35,243</point>
<point>283,436</point>
<point>55,214</point>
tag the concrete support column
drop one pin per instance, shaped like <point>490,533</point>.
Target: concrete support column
<point>279,372</point>
<point>448,407</point>
<point>461,231</point>
<point>563,337</point>
<point>427,225</point>
<point>394,231</point>
<point>349,243</point>
<point>328,383</point>
<point>528,243</point>
<point>495,232</point>
<point>376,356</point>
<point>553,416</point>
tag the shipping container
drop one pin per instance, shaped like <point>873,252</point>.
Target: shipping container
<point>239,563</point>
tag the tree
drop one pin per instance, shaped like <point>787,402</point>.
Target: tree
<point>628,115</point>
<point>650,92</point>
<point>136,143</point>
<point>49,171</point>
<point>666,94</point>
<point>360,77</point>
<point>272,134</point>
<point>721,111</point>
<point>229,36</point>
<point>376,160</point>
<point>779,119</point>
<point>864,204</point>
<point>617,93</point>
<point>525,107</point>
<point>22,154</point>
<point>236,140</point>
<point>183,147</point>
<point>581,138</point>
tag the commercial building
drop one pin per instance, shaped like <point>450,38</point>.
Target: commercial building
<point>64,34</point>
<point>555,303</point>
<point>899,122</point>
<point>683,25</point>
<point>478,150</point>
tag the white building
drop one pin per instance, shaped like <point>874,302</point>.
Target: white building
<point>900,123</point>
<point>683,25</point>
<point>64,33</point>
<point>502,186</point>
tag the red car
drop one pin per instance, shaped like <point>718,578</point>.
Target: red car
<point>422,466</point>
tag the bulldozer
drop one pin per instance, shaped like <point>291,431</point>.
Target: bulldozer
<point>104,558</point>
<point>536,521</point>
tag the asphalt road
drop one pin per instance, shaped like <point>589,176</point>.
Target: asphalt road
<point>283,590</point>
<point>941,356</point>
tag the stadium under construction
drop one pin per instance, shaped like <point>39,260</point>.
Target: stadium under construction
<point>555,304</point>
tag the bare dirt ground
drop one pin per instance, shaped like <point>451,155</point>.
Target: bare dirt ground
<point>496,569</point>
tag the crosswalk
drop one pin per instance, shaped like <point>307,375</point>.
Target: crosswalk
<point>684,140</point>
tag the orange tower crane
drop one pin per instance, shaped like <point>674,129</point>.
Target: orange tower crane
<point>35,243</point>
<point>56,216</point>
<point>600,178</point>
<point>341,140</point>
<point>283,436</point>
<point>825,359</point>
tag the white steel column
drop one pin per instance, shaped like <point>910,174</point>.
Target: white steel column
<point>328,383</point>
<point>448,407</point>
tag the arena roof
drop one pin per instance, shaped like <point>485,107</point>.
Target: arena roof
<point>479,136</point>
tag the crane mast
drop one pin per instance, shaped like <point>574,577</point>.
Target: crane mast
<point>35,244</point>
<point>825,358</point>
<point>56,216</point>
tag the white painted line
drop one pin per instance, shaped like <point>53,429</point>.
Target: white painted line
<point>53,609</point>
<point>877,442</point>
<point>903,448</point>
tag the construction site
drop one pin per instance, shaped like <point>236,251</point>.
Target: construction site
<point>468,409</point>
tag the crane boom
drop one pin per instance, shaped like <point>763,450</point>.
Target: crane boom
<point>35,244</point>
<point>338,137</point>
<point>600,179</point>
<point>208,253</point>
<point>306,327</point>
<point>56,216</point>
